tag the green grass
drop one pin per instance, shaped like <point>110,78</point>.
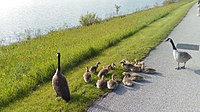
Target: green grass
<point>28,64</point>
<point>83,95</point>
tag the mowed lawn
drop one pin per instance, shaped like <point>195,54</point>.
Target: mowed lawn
<point>133,44</point>
<point>28,64</point>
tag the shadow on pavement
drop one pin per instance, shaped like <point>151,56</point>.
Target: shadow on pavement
<point>102,108</point>
<point>197,72</point>
<point>188,46</point>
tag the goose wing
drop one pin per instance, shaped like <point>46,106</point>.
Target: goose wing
<point>63,89</point>
<point>184,56</point>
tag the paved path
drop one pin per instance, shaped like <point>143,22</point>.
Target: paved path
<point>168,91</point>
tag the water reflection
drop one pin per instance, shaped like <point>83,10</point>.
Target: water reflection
<point>20,15</point>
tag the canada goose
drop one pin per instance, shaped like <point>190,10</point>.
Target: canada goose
<point>180,57</point>
<point>113,66</point>
<point>104,71</point>
<point>87,76</point>
<point>127,81</point>
<point>128,66</point>
<point>93,69</point>
<point>134,76</point>
<point>147,70</point>
<point>60,84</point>
<point>101,82</point>
<point>112,83</point>
<point>138,63</point>
<point>131,67</point>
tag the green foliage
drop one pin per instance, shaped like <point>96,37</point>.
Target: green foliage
<point>29,64</point>
<point>89,19</point>
<point>167,2</point>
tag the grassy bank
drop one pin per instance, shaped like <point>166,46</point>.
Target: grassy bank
<point>28,64</point>
<point>134,46</point>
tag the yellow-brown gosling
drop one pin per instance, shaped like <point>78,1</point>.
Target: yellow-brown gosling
<point>128,66</point>
<point>112,83</point>
<point>138,63</point>
<point>147,70</point>
<point>104,71</point>
<point>131,67</point>
<point>60,84</point>
<point>93,69</point>
<point>87,75</point>
<point>113,66</point>
<point>134,76</point>
<point>101,82</point>
<point>127,81</point>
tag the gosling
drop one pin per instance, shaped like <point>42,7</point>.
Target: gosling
<point>87,76</point>
<point>93,69</point>
<point>127,81</point>
<point>134,76</point>
<point>101,82</point>
<point>131,67</point>
<point>112,83</point>
<point>147,70</point>
<point>104,71</point>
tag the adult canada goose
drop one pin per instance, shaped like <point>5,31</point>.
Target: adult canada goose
<point>127,81</point>
<point>87,76</point>
<point>180,57</point>
<point>147,70</point>
<point>101,82</point>
<point>93,69</point>
<point>104,71</point>
<point>60,84</point>
<point>112,83</point>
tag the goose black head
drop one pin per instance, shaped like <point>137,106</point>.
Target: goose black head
<point>168,39</point>
<point>58,54</point>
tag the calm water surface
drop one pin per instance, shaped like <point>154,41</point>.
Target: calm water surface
<point>16,16</point>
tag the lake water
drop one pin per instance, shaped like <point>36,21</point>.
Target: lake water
<point>16,16</point>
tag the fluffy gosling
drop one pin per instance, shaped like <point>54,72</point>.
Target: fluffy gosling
<point>101,82</point>
<point>104,71</point>
<point>87,75</point>
<point>93,69</point>
<point>112,83</point>
<point>127,81</point>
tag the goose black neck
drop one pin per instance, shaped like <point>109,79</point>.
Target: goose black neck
<point>58,61</point>
<point>173,46</point>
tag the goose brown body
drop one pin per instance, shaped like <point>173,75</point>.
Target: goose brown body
<point>60,84</point>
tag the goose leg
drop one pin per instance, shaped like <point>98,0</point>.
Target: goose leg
<point>177,67</point>
<point>183,67</point>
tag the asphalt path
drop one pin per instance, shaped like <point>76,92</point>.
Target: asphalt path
<point>169,90</point>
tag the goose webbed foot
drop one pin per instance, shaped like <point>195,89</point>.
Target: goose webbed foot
<point>183,67</point>
<point>178,68</point>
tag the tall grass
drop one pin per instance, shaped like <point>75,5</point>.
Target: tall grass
<point>26,65</point>
<point>84,94</point>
